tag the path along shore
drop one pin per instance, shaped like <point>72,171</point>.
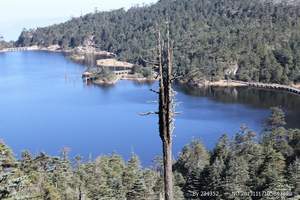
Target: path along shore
<point>295,89</point>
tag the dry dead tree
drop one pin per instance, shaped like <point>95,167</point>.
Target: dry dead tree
<point>166,107</point>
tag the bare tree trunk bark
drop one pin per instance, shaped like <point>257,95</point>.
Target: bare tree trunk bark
<point>80,194</point>
<point>166,114</point>
<point>168,177</point>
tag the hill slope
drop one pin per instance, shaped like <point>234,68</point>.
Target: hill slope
<point>247,40</point>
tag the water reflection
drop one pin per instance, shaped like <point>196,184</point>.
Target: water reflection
<point>45,106</point>
<point>254,97</point>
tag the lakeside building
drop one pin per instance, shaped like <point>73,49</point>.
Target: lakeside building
<point>118,67</point>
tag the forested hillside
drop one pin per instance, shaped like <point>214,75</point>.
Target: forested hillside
<point>246,167</point>
<point>212,38</point>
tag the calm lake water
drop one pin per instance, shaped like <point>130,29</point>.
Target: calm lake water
<point>45,106</point>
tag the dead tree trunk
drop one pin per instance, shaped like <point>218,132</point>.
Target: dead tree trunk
<point>166,111</point>
<point>166,108</point>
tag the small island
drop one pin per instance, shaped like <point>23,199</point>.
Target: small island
<point>110,70</point>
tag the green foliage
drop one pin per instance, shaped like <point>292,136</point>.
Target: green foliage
<point>293,177</point>
<point>146,72</point>
<point>13,183</point>
<point>106,74</point>
<point>241,168</point>
<point>261,37</point>
<point>271,175</point>
<point>193,157</point>
<point>236,178</point>
<point>276,119</point>
<point>246,167</point>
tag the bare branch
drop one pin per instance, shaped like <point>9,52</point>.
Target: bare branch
<point>150,62</point>
<point>177,113</point>
<point>148,113</point>
<point>155,91</point>
<point>175,76</point>
<point>157,76</point>
<point>166,105</point>
<point>151,101</point>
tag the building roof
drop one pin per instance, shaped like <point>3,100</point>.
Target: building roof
<point>113,63</point>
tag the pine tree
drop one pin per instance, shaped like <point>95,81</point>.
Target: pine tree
<point>294,177</point>
<point>131,173</point>
<point>276,135</point>
<point>212,178</point>
<point>193,184</point>
<point>113,174</point>
<point>138,190</point>
<point>272,177</point>
<point>279,139</point>
<point>193,157</point>
<point>236,178</point>
<point>13,183</point>
<point>150,177</point>
<point>294,138</point>
<point>103,179</point>
<point>221,150</point>
<point>276,119</point>
<point>8,183</point>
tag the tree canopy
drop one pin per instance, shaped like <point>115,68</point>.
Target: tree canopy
<point>254,40</point>
<point>242,167</point>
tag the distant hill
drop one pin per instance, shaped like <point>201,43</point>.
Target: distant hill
<point>214,39</point>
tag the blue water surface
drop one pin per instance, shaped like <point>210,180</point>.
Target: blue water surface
<point>46,106</point>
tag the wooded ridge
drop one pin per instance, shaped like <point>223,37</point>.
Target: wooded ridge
<point>214,39</point>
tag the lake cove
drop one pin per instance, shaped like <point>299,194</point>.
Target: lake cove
<point>46,106</point>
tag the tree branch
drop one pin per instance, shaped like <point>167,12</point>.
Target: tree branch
<point>150,62</point>
<point>155,91</point>
<point>148,113</point>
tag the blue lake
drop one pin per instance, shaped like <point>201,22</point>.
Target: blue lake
<point>46,106</point>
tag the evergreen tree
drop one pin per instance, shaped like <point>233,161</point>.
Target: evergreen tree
<point>194,157</point>
<point>236,179</point>
<point>276,135</point>
<point>138,190</point>
<point>213,37</point>
<point>236,166</point>
<point>294,142</point>
<point>13,183</point>
<point>277,118</point>
<point>150,177</point>
<point>294,176</point>
<point>192,186</point>
<point>212,179</point>
<point>272,180</point>
<point>131,174</point>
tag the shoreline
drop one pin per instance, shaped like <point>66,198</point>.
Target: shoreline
<point>294,89</point>
<point>113,82</point>
<point>77,55</point>
<point>33,48</point>
<point>77,52</point>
